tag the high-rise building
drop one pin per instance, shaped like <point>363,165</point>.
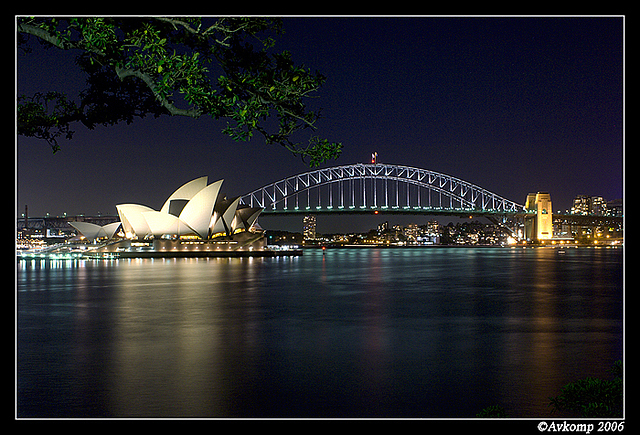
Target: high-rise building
<point>615,208</point>
<point>598,206</point>
<point>411,232</point>
<point>383,227</point>
<point>581,204</point>
<point>433,228</point>
<point>589,205</point>
<point>309,227</point>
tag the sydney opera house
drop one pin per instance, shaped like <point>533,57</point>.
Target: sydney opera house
<point>196,217</point>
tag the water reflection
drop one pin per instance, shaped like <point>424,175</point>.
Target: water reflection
<point>351,333</point>
<point>176,332</point>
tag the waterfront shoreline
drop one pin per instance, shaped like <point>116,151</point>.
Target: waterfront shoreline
<point>158,254</point>
<point>536,245</point>
<point>222,254</point>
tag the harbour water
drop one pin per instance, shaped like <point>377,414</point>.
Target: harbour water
<point>417,333</point>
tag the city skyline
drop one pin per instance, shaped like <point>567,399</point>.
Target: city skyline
<point>516,105</point>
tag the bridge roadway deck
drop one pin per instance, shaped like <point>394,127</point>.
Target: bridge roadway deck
<point>396,210</point>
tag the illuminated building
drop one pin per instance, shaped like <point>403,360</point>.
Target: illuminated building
<point>598,206</point>
<point>615,208</point>
<point>93,231</point>
<point>309,227</point>
<point>589,205</point>
<point>411,232</point>
<point>383,227</point>
<point>540,226</point>
<point>194,210</point>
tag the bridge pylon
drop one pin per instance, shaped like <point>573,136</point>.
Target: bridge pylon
<point>538,226</point>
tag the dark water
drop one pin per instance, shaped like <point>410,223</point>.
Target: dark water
<point>434,332</point>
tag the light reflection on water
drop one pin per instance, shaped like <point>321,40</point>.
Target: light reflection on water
<point>353,333</point>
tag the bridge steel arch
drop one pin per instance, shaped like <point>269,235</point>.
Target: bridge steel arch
<point>384,187</point>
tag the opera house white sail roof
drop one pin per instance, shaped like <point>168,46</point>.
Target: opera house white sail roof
<point>93,231</point>
<point>195,208</point>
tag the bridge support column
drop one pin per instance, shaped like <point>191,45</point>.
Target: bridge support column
<point>539,226</point>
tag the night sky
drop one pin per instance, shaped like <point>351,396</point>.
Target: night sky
<point>515,105</point>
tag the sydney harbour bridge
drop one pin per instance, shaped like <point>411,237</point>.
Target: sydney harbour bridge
<point>367,188</point>
<point>377,187</point>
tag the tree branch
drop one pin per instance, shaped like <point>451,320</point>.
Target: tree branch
<point>44,35</point>
<point>255,85</point>
<point>177,22</point>
<point>226,31</point>
<point>173,110</point>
